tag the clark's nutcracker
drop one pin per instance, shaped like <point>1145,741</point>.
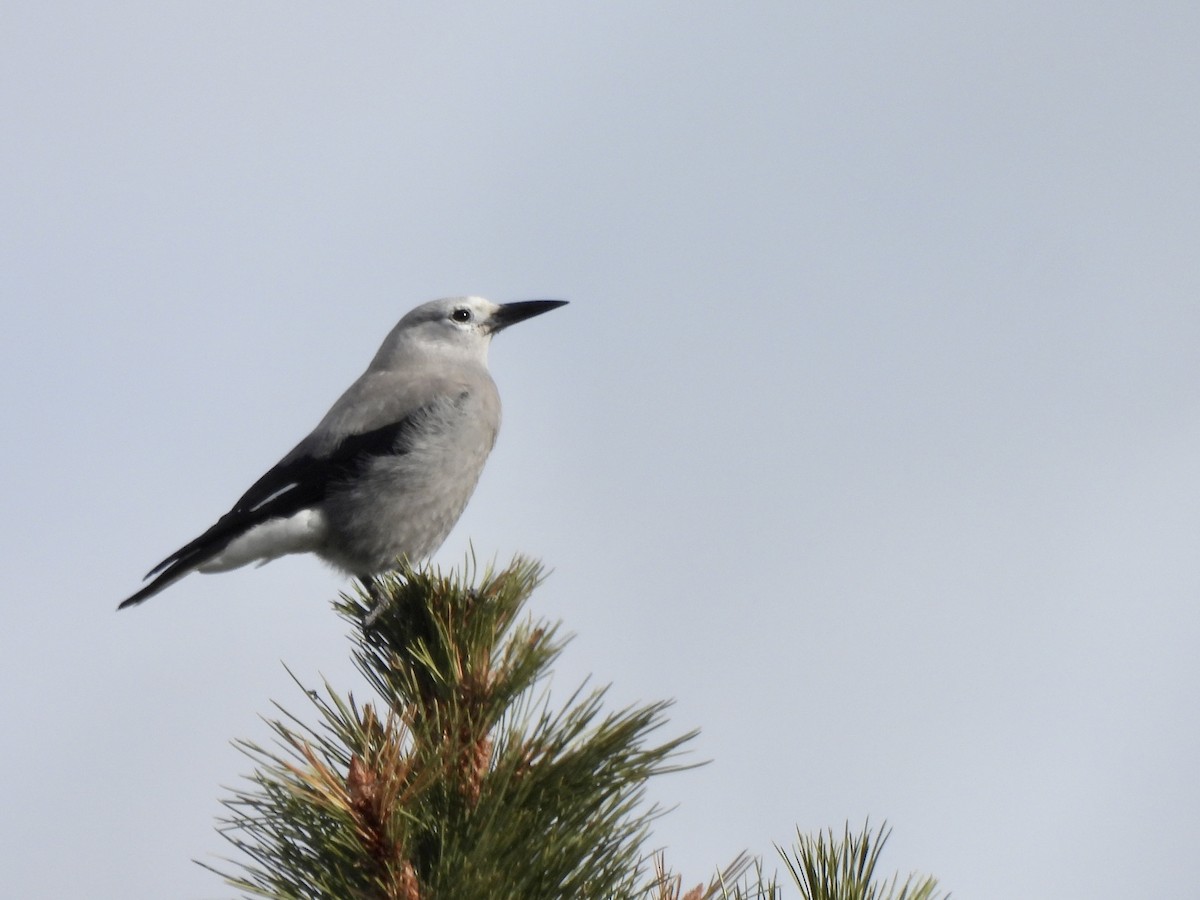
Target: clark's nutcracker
<point>388,471</point>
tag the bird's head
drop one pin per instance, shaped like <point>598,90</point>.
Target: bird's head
<point>458,326</point>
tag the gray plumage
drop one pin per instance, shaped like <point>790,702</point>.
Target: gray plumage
<point>389,469</point>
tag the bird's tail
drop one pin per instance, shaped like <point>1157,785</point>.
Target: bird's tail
<point>189,557</point>
<point>165,579</point>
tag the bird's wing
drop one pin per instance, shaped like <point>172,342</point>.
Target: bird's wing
<point>372,418</point>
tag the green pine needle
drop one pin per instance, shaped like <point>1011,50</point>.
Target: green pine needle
<point>459,779</point>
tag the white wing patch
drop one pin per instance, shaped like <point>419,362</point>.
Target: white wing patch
<point>283,490</point>
<point>303,532</point>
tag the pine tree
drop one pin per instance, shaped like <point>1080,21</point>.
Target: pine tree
<point>460,780</point>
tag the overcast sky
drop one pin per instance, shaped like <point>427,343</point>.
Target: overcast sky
<point>870,436</point>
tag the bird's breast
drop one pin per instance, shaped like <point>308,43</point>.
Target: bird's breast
<point>407,502</point>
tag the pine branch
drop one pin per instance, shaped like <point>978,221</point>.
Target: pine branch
<point>825,868</point>
<point>458,779</point>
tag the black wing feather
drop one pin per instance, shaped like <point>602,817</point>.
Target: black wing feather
<point>290,486</point>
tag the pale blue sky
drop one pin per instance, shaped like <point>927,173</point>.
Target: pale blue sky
<point>870,434</point>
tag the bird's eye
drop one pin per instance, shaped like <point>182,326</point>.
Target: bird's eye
<point>461,315</point>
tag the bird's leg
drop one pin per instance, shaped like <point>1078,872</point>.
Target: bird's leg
<point>376,594</point>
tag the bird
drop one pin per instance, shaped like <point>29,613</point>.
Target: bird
<point>388,471</point>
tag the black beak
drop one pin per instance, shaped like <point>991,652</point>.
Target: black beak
<point>512,313</point>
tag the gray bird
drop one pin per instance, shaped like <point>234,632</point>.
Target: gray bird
<point>390,468</point>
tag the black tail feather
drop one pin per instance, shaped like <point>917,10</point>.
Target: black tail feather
<point>167,578</point>
<point>193,554</point>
